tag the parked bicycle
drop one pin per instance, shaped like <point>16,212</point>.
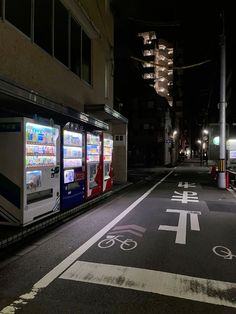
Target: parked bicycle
<point>126,245</point>
<point>223,251</point>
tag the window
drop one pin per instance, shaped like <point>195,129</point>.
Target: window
<point>61,32</point>
<point>86,58</point>
<point>146,126</point>
<point>43,24</point>
<point>19,14</point>
<point>150,104</point>
<point>75,47</point>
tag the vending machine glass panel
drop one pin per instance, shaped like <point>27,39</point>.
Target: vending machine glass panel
<point>73,180</point>
<point>40,145</point>
<point>69,175</point>
<point>94,166</point>
<point>33,179</point>
<point>107,161</point>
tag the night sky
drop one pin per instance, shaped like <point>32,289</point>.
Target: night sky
<point>195,26</point>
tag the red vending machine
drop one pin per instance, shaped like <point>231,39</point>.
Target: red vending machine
<point>93,165</point>
<point>107,141</point>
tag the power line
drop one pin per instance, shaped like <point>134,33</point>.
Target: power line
<point>174,68</point>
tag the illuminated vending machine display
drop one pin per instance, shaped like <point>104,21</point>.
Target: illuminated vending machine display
<point>73,187</point>
<point>30,168</point>
<point>94,165</point>
<point>107,162</point>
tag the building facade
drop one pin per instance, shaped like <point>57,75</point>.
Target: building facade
<point>57,62</point>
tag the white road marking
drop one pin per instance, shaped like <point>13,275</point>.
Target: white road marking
<point>186,185</point>
<point>181,229</point>
<point>175,285</point>
<point>60,268</point>
<point>185,197</point>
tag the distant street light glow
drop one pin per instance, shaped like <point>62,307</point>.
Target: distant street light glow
<point>216,140</point>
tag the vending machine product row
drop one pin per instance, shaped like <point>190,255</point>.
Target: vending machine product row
<point>73,174</point>
<point>29,170</point>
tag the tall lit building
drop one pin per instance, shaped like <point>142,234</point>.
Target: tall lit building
<point>158,65</point>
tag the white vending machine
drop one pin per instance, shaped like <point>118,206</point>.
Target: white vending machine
<point>29,170</point>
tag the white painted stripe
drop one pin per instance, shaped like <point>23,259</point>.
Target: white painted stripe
<point>60,268</point>
<point>194,221</point>
<point>175,285</point>
<point>127,231</point>
<point>134,227</point>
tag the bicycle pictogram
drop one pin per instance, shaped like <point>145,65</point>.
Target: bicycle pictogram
<point>223,251</point>
<point>126,244</point>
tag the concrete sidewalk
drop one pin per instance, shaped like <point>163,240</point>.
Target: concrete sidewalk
<point>13,234</point>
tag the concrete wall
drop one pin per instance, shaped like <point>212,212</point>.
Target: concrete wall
<point>26,64</point>
<point>120,134</point>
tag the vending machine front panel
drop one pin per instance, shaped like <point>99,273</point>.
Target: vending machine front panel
<point>107,162</point>
<point>73,183</point>
<point>42,167</point>
<point>94,165</point>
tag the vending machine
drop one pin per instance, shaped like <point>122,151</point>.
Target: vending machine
<point>73,174</point>
<point>93,165</point>
<point>29,170</point>
<point>107,161</point>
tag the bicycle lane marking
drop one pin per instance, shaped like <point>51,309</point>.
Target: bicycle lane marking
<point>67,262</point>
<point>194,288</point>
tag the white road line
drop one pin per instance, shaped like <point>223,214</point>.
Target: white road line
<point>175,285</point>
<point>60,268</point>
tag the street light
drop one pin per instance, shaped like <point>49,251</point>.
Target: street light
<point>173,148</point>
<point>203,142</point>
<point>222,108</point>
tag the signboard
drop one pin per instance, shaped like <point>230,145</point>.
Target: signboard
<point>232,154</point>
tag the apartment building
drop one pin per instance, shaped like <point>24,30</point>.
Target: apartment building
<point>158,65</point>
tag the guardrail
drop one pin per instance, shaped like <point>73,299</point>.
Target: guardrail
<point>230,176</point>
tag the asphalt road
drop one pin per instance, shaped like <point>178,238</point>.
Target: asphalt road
<point>165,245</point>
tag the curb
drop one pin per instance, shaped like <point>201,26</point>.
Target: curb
<point>58,217</point>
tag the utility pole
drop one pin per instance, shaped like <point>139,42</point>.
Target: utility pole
<point>222,108</point>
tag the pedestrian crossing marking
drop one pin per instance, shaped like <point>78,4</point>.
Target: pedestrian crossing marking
<point>164,283</point>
